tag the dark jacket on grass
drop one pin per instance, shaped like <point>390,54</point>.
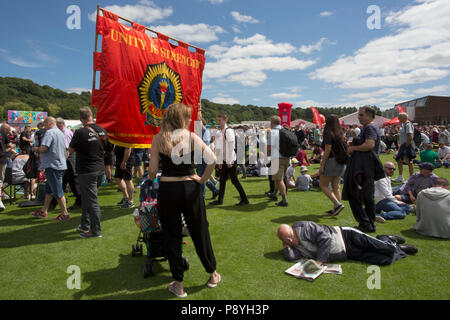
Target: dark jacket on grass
<point>322,243</point>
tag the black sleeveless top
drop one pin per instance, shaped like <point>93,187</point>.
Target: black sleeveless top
<point>170,169</point>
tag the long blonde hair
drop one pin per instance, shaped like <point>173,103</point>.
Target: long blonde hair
<point>177,116</point>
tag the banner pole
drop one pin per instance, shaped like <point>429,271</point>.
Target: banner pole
<point>172,38</point>
<point>96,47</point>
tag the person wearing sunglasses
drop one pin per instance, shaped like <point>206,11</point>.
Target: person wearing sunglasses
<point>387,206</point>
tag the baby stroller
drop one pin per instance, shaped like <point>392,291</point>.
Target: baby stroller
<point>150,232</point>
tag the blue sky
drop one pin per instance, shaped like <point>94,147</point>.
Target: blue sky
<point>310,53</point>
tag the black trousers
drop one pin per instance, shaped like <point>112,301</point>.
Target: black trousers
<point>365,216</point>
<point>174,199</point>
<point>232,173</point>
<point>365,248</point>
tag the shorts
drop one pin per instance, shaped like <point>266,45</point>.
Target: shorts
<point>126,174</point>
<point>109,158</point>
<point>54,184</point>
<point>333,169</point>
<point>404,151</point>
<point>138,157</point>
<point>282,167</point>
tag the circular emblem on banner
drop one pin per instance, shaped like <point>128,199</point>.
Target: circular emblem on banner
<point>160,87</point>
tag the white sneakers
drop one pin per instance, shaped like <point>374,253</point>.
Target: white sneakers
<point>399,179</point>
<point>2,206</point>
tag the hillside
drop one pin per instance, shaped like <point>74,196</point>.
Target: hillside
<point>25,95</point>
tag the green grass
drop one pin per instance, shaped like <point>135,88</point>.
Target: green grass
<point>35,254</point>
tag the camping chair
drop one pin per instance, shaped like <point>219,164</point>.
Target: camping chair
<point>13,187</point>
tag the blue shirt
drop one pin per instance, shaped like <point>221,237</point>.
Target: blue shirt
<point>55,157</point>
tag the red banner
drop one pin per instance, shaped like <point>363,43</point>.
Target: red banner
<point>318,120</point>
<point>140,76</point>
<point>400,109</point>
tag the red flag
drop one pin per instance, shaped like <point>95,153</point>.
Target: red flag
<point>400,109</point>
<point>317,117</point>
<point>140,77</point>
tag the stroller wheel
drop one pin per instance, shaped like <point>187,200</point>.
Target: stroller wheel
<point>133,250</point>
<point>147,270</point>
<point>186,263</point>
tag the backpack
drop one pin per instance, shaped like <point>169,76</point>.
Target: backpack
<point>341,156</point>
<point>417,137</point>
<point>289,145</point>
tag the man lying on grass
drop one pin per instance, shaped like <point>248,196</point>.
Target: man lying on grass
<point>308,240</point>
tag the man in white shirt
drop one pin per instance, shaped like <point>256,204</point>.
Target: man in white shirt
<point>226,160</point>
<point>387,206</point>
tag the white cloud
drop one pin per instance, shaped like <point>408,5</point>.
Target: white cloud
<point>243,18</point>
<point>225,100</point>
<point>326,13</point>
<point>236,29</point>
<point>144,11</point>
<point>418,51</point>
<point>383,98</point>
<point>77,90</point>
<point>17,61</point>
<point>191,33</point>
<point>436,89</point>
<point>285,95</point>
<point>309,103</point>
<point>247,60</point>
<point>216,1</point>
<point>314,47</point>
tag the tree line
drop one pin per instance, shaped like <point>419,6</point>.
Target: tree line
<point>25,95</point>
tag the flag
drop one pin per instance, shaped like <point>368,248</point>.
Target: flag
<point>400,109</point>
<point>318,120</point>
<point>140,76</point>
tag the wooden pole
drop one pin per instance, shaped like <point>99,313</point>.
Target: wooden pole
<point>129,21</point>
<point>96,47</point>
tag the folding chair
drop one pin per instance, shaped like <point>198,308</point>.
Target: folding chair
<point>13,188</point>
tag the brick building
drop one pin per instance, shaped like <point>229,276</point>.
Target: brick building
<point>426,110</point>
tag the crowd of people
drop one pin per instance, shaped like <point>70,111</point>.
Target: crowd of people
<point>65,159</point>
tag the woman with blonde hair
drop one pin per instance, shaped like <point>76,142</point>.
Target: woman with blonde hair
<point>180,192</point>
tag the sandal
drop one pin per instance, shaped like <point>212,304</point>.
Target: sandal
<point>213,285</point>
<point>172,289</point>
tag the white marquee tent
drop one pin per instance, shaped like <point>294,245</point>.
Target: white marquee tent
<point>352,119</point>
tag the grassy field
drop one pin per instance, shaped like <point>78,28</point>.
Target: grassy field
<point>35,254</point>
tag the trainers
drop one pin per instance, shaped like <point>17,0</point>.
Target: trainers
<point>337,210</point>
<point>83,230</point>
<point>124,200</point>
<point>62,217</point>
<point>39,214</point>
<point>127,205</point>
<point>2,206</point>
<point>380,219</point>
<point>282,204</point>
<point>216,203</point>
<point>87,235</point>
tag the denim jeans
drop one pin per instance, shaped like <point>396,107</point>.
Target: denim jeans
<point>392,210</point>
<point>200,170</point>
